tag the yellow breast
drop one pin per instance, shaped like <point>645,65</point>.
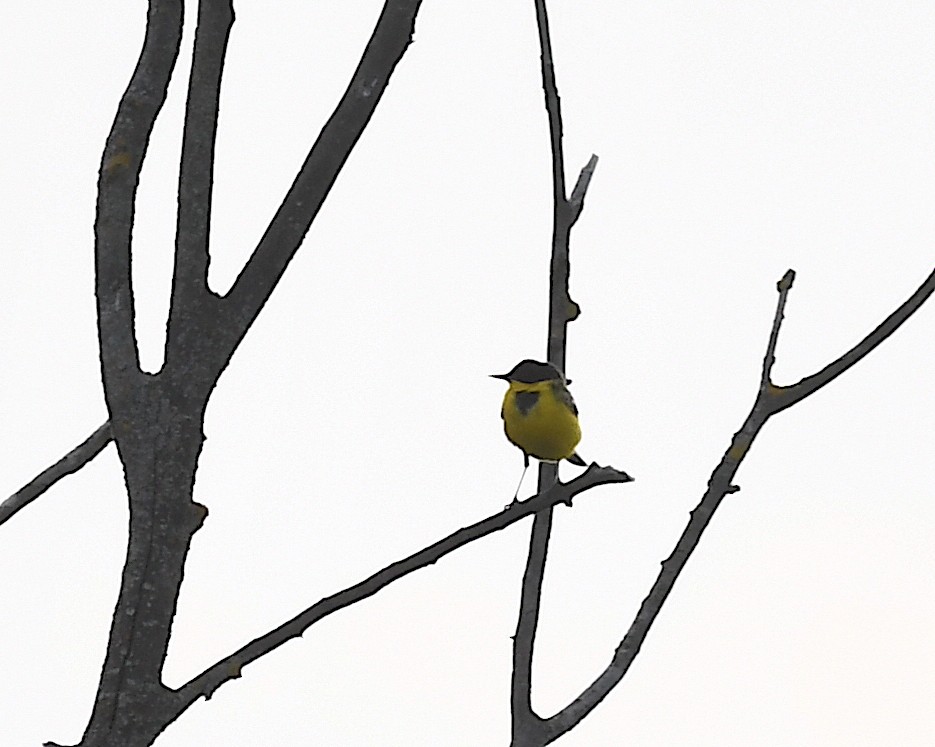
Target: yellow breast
<point>538,423</point>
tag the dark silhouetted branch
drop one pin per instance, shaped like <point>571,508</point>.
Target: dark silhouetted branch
<point>526,725</point>
<point>229,668</point>
<point>581,188</point>
<point>390,38</point>
<point>196,171</point>
<point>71,462</point>
<point>788,395</point>
<point>768,402</point>
<point>116,193</point>
<point>157,420</point>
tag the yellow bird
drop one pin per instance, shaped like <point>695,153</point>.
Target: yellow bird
<point>539,414</point>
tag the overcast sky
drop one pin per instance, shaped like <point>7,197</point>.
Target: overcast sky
<point>356,424</point>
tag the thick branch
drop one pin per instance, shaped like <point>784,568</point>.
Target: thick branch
<point>391,36</point>
<point>71,462</point>
<point>117,184</point>
<point>157,421</point>
<point>229,668</point>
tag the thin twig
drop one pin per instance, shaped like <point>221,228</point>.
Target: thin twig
<point>552,103</point>
<point>68,464</point>
<point>769,359</point>
<point>581,187</point>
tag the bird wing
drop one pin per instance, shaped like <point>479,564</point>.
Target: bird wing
<point>564,396</point>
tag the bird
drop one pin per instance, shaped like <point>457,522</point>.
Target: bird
<point>539,415</point>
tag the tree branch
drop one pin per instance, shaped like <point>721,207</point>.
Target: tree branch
<point>71,462</point>
<point>527,725</point>
<point>789,395</point>
<point>157,420</point>
<point>581,187</point>
<point>769,359</point>
<point>553,104</point>
<point>118,180</point>
<point>390,38</point>
<point>230,667</point>
<point>196,172</point>
<point>719,485</point>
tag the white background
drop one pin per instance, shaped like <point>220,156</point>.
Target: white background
<point>357,424</point>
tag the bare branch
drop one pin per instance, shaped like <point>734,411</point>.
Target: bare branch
<point>391,36</point>
<point>524,718</point>
<point>581,187</point>
<point>196,172</point>
<point>157,420</point>
<point>553,104</point>
<point>769,359</point>
<point>789,395</point>
<point>230,667</point>
<point>116,192</point>
<point>719,485</point>
<point>526,725</point>
<point>68,464</point>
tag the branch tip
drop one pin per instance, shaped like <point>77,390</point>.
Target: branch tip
<point>584,179</point>
<point>769,359</point>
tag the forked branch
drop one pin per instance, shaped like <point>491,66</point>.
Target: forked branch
<point>770,399</point>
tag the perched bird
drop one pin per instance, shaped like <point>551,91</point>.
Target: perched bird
<point>539,414</point>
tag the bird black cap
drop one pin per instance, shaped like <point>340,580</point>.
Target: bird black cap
<point>531,372</point>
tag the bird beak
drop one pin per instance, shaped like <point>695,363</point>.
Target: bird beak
<point>505,377</point>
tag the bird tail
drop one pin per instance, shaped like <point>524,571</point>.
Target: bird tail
<point>575,459</point>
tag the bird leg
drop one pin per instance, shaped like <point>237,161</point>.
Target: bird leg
<point>525,467</point>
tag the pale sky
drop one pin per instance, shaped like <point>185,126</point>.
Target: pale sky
<point>356,424</point>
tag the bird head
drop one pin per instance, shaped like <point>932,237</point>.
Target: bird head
<point>531,372</point>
